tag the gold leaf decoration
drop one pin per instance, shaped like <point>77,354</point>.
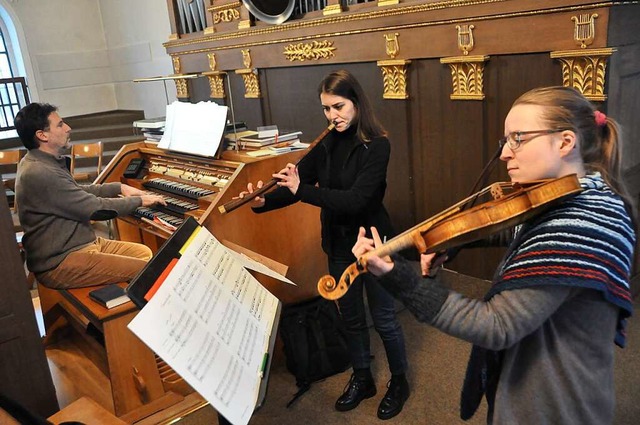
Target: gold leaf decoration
<point>585,70</point>
<point>309,51</point>
<point>467,76</point>
<point>228,15</point>
<point>394,78</point>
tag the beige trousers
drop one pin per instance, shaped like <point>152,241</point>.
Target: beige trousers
<point>102,262</point>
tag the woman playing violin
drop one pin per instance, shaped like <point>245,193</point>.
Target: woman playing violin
<point>544,334</point>
<point>345,175</point>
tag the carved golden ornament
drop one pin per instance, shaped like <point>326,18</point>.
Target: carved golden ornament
<point>467,76</point>
<point>387,2</point>
<point>216,86</point>
<point>224,6</point>
<point>251,82</point>
<point>173,37</point>
<point>246,58</point>
<point>243,25</point>
<point>209,30</point>
<point>585,70</point>
<point>394,78</point>
<point>332,9</point>
<point>227,15</point>
<point>391,44</point>
<point>465,38</point>
<point>177,67</point>
<point>584,30</point>
<point>309,51</point>
<point>182,89</point>
<point>216,78</point>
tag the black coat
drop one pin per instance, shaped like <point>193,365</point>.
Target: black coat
<point>358,203</point>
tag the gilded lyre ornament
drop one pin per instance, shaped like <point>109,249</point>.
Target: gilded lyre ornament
<point>177,66</point>
<point>465,38</point>
<point>585,29</point>
<point>467,76</point>
<point>585,70</point>
<point>216,78</point>
<point>249,76</point>
<point>467,72</point>
<point>391,44</point>
<point>394,71</point>
<point>182,88</point>
<point>246,58</point>
<point>309,51</point>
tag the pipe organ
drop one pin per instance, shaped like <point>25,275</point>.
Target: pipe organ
<point>196,186</point>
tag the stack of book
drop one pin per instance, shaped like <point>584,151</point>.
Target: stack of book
<point>250,140</point>
<point>152,129</point>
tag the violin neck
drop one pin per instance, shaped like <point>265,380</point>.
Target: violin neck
<point>397,244</point>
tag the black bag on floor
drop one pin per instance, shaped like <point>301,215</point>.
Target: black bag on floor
<point>315,343</point>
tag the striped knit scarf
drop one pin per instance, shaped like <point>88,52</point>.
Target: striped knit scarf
<point>587,242</point>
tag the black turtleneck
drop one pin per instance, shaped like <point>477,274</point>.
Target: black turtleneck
<point>343,143</point>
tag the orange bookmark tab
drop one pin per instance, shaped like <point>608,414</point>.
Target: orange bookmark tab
<point>160,280</point>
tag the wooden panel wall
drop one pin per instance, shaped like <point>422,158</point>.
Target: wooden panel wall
<point>440,145</point>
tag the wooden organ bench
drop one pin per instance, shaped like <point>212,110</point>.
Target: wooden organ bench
<point>141,384</point>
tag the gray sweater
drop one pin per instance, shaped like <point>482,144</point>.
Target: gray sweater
<point>558,302</point>
<point>558,351</point>
<point>55,212</point>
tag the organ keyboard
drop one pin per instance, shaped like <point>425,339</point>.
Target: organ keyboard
<point>197,186</point>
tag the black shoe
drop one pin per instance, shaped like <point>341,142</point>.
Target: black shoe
<point>394,399</point>
<point>358,388</point>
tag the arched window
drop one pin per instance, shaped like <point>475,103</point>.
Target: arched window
<point>13,86</point>
<point>6,70</point>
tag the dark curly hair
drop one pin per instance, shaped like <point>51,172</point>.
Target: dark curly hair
<point>30,119</point>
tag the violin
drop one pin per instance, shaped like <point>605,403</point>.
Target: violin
<point>236,203</point>
<point>511,204</point>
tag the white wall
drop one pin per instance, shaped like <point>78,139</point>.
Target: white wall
<point>84,53</point>
<point>134,33</point>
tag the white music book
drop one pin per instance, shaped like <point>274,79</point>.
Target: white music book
<point>212,322</point>
<point>194,128</point>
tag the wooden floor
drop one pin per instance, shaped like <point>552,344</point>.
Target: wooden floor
<point>74,374</point>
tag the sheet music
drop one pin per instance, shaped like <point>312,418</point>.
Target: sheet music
<point>194,128</point>
<point>211,322</point>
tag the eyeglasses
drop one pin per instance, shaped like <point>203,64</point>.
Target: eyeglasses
<point>514,139</point>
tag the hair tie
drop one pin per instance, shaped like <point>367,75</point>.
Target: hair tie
<point>601,118</point>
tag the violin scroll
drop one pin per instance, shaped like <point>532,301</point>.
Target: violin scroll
<point>330,290</point>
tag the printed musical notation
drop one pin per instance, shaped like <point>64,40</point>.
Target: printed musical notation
<point>211,321</point>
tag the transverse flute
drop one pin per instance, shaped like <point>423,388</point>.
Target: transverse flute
<point>236,203</point>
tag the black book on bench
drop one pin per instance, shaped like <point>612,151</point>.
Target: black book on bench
<point>109,296</point>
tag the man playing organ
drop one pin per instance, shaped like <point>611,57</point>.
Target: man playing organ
<point>56,212</point>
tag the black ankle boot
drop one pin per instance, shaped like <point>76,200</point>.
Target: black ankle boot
<point>394,399</point>
<point>360,386</point>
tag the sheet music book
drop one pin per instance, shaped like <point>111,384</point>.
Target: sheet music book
<point>211,321</point>
<point>194,128</point>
